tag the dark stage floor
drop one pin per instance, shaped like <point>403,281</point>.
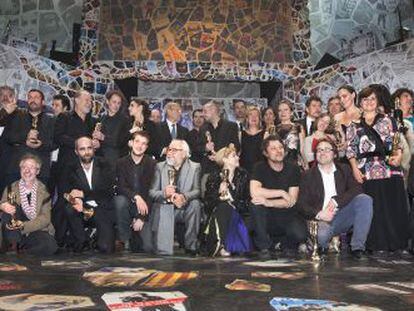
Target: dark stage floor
<point>338,279</point>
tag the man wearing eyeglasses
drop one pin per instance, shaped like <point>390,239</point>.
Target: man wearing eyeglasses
<point>175,192</point>
<point>329,193</point>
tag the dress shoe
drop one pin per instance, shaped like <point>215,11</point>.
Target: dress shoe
<point>323,251</point>
<point>264,254</point>
<point>358,254</point>
<point>191,252</point>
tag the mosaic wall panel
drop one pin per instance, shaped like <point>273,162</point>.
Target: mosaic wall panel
<point>198,30</point>
<point>392,66</point>
<point>350,28</point>
<point>41,21</point>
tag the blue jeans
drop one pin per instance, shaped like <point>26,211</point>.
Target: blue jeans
<point>357,215</point>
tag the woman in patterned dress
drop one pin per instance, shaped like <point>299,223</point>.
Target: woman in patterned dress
<point>375,157</point>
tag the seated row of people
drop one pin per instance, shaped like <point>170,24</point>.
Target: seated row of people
<point>151,198</point>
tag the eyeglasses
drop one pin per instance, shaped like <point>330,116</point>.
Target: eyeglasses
<point>174,150</point>
<point>320,150</point>
<point>367,99</point>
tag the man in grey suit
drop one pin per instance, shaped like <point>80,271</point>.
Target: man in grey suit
<point>175,192</point>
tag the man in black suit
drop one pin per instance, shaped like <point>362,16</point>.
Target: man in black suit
<point>215,134</point>
<point>329,193</point>
<point>68,128</point>
<point>89,185</point>
<point>29,131</point>
<point>170,129</point>
<point>313,110</point>
<point>194,135</point>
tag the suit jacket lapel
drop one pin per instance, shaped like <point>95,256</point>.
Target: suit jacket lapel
<point>95,174</point>
<point>185,170</point>
<point>82,176</point>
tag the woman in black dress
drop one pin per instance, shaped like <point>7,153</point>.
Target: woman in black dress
<point>251,142</point>
<point>140,114</point>
<point>227,196</point>
<point>113,128</point>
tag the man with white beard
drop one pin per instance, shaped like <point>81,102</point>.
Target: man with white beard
<point>175,192</point>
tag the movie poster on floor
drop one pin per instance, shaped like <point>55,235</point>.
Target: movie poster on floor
<point>29,302</point>
<point>240,284</point>
<point>117,276</point>
<point>298,304</point>
<point>141,300</point>
<point>291,276</point>
<point>10,266</point>
<point>9,285</point>
<point>67,264</point>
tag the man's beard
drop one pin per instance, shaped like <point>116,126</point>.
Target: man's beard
<point>86,160</point>
<point>170,162</point>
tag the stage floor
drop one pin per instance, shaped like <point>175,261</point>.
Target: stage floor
<point>382,283</point>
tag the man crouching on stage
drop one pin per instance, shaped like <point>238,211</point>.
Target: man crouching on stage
<point>89,191</point>
<point>176,195</point>
<point>25,207</point>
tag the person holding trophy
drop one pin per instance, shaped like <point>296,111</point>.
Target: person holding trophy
<point>29,132</point>
<point>375,156</point>
<point>227,197</point>
<point>330,196</point>
<point>25,207</point>
<point>175,192</point>
<point>88,193</point>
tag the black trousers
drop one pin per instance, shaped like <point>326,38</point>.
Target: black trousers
<point>272,224</point>
<point>38,243</point>
<point>102,220</point>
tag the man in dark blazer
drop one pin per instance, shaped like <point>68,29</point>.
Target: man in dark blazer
<point>215,134</point>
<point>68,128</point>
<point>313,109</point>
<point>29,131</point>
<point>176,200</point>
<point>171,129</point>
<point>329,193</point>
<point>90,183</point>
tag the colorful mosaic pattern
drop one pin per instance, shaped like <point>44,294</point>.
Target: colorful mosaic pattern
<point>203,31</point>
<point>40,21</point>
<point>350,28</point>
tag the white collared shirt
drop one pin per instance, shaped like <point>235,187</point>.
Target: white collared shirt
<point>88,174</point>
<point>170,126</point>
<point>309,122</point>
<point>329,186</point>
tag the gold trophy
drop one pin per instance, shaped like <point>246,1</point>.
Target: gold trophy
<point>87,212</point>
<point>272,130</point>
<point>35,137</point>
<point>14,223</point>
<point>225,195</point>
<point>98,127</point>
<point>313,229</point>
<point>209,139</point>
<point>172,174</point>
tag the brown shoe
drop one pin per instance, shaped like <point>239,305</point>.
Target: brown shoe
<point>119,246</point>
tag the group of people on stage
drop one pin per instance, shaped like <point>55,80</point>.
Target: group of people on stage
<point>222,188</point>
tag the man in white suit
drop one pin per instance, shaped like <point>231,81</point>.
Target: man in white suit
<point>176,194</point>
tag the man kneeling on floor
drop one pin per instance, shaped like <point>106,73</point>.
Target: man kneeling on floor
<point>26,209</point>
<point>175,192</point>
<point>329,194</point>
<point>89,192</point>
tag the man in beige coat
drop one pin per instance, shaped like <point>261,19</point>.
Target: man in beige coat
<point>25,212</point>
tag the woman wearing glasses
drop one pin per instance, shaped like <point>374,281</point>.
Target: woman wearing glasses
<point>375,156</point>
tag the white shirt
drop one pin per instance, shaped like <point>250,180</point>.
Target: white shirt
<point>329,186</point>
<point>88,174</point>
<point>170,126</point>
